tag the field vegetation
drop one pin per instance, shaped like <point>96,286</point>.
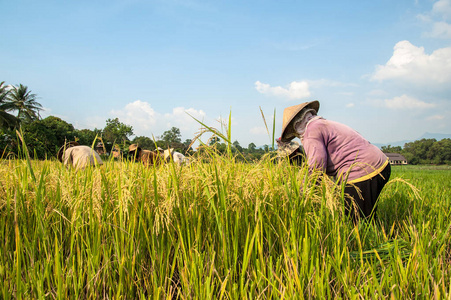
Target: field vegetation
<point>217,229</point>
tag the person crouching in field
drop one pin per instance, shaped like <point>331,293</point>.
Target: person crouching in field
<point>78,156</point>
<point>341,152</point>
<point>177,157</point>
<point>147,157</point>
<point>292,150</point>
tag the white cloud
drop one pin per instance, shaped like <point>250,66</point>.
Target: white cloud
<point>442,8</point>
<point>377,93</point>
<point>436,117</point>
<point>146,121</point>
<point>406,102</point>
<point>180,118</point>
<point>140,115</point>
<point>410,64</point>
<point>222,123</point>
<point>349,105</point>
<point>47,112</point>
<point>441,30</point>
<point>258,130</point>
<point>90,122</point>
<point>348,94</point>
<point>424,18</point>
<point>294,91</point>
<point>437,18</point>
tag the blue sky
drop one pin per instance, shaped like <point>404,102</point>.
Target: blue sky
<point>381,67</point>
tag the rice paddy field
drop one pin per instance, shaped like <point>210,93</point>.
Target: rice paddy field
<point>217,229</point>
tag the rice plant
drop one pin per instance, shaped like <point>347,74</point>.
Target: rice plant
<point>216,229</point>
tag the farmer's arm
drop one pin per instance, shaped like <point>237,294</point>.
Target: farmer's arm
<point>316,152</point>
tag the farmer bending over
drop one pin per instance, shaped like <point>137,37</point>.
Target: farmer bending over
<point>78,156</point>
<point>338,151</point>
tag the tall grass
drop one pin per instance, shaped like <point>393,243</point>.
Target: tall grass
<point>216,229</point>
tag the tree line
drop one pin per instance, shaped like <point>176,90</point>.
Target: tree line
<point>424,151</point>
<point>19,109</point>
<point>44,137</point>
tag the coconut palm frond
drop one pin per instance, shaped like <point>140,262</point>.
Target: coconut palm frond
<point>25,103</point>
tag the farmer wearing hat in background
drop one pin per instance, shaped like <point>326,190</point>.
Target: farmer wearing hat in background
<point>177,157</point>
<point>79,156</point>
<point>147,157</point>
<point>338,151</point>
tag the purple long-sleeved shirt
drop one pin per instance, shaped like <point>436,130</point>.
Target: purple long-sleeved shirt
<point>334,147</point>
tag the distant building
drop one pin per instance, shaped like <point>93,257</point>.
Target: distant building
<point>396,159</point>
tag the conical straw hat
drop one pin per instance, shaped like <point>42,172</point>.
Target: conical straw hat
<point>290,112</point>
<point>67,145</point>
<point>133,147</point>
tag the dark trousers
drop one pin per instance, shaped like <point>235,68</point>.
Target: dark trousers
<point>366,196</point>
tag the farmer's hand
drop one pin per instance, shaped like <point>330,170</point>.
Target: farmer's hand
<point>281,144</point>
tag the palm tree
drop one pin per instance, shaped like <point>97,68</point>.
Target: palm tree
<point>7,120</point>
<point>25,103</point>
